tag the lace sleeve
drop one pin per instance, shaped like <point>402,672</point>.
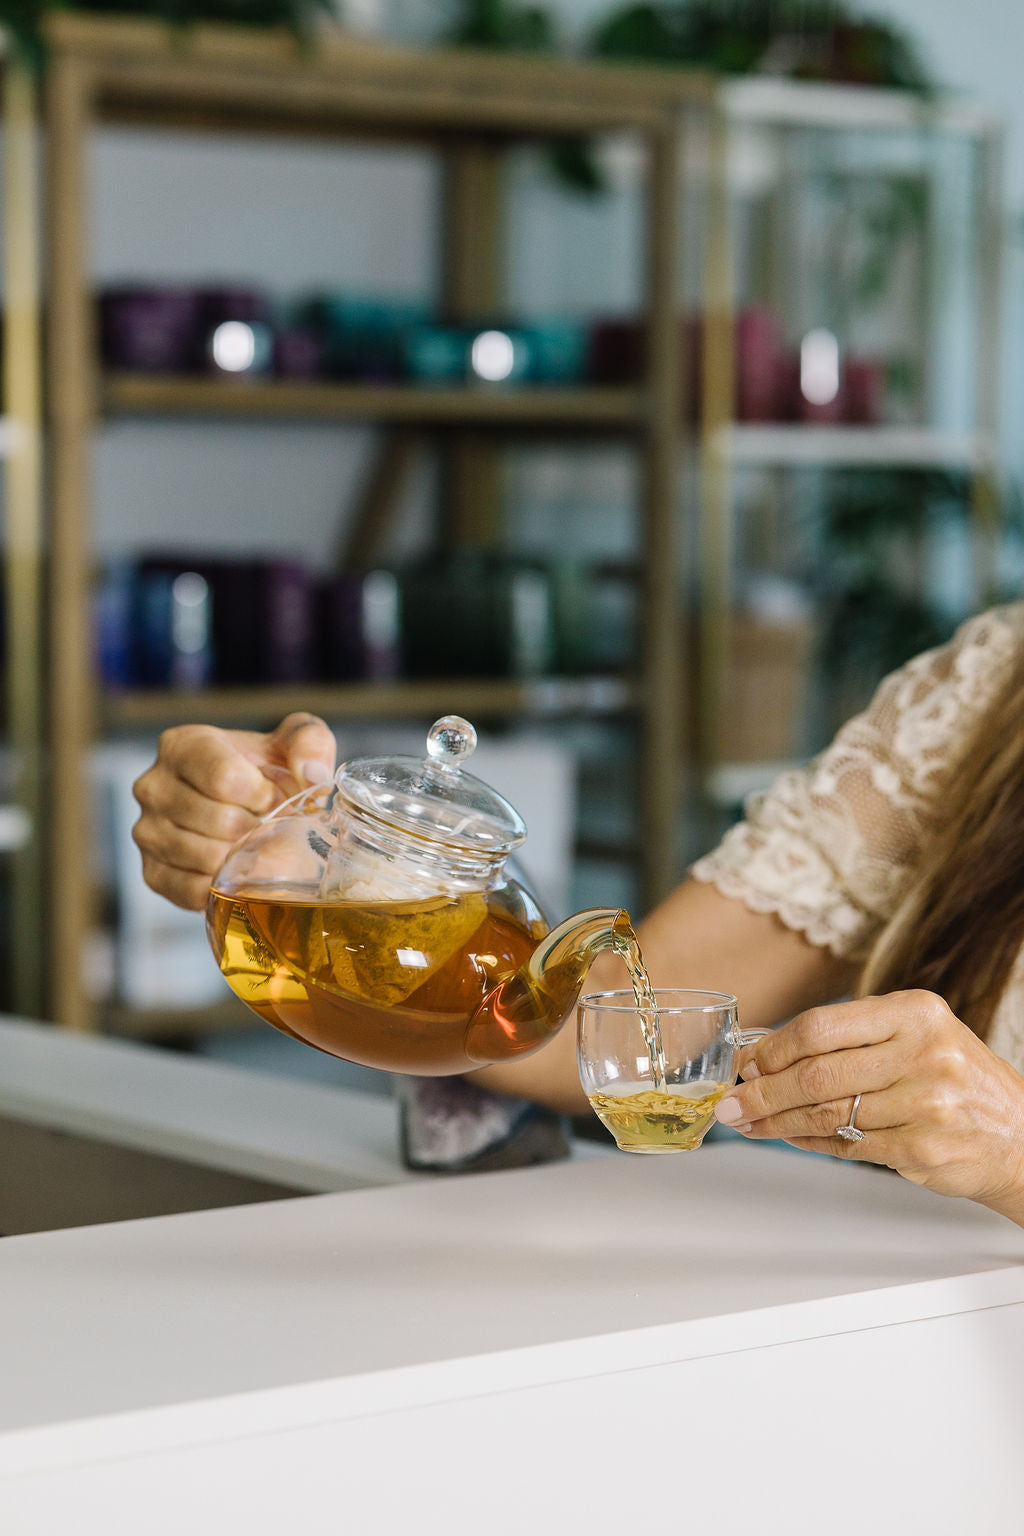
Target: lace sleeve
<point>830,848</point>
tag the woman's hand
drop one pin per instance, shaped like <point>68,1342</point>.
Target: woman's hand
<point>209,787</point>
<point>936,1104</point>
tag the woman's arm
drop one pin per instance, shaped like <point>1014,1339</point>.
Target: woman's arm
<point>696,938</point>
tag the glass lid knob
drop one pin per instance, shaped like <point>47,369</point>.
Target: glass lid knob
<point>450,741</point>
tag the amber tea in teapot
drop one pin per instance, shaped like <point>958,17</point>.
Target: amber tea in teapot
<point>401,980</point>
<point>374,919</point>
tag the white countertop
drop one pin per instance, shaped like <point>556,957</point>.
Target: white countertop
<point>133,1095</point>
<point>278,1360</point>
<point>200,1323</point>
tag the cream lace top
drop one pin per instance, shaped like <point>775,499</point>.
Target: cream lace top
<point>832,847</point>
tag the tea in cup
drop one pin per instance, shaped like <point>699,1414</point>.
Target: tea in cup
<point>654,1074</point>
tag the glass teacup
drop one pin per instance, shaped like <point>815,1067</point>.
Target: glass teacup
<point>700,1044</point>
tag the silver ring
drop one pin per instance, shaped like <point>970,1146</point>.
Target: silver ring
<point>849,1131</point>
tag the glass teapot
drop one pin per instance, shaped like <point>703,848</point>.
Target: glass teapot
<point>373,917</point>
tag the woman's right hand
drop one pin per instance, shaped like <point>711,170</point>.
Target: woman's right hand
<point>208,787</point>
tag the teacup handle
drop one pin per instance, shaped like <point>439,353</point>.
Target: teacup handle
<point>740,1037</point>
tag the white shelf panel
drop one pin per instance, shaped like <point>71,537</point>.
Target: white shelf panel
<point>12,436</point>
<point>882,447</point>
<point>583,695</point>
<point>792,103</point>
<point>15,828</point>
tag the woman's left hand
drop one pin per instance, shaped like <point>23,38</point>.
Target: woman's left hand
<point>936,1104</point>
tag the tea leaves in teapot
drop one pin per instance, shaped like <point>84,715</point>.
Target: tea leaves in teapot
<point>387,951</point>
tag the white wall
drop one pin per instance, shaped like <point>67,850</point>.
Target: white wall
<point>976,49</point>
<point>980,47</point>
<point>979,50</point>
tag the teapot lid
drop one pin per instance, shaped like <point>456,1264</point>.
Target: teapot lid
<point>434,796</point>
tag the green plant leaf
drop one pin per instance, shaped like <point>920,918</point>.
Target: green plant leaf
<point>808,39</point>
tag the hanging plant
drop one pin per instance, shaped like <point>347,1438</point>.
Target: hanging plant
<point>23,22</point>
<point>868,541</point>
<point>297,14</point>
<point>24,18</point>
<point>506,27</point>
<point>801,39</point>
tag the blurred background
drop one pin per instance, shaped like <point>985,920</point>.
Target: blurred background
<point>642,382</point>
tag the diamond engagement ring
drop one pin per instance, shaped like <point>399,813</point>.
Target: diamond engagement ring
<point>849,1131</point>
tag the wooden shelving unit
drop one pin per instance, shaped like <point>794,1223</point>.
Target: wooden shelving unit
<point>469,108</point>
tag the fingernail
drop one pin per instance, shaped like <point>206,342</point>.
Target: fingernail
<point>750,1070</point>
<point>743,1127</point>
<point>728,1112</point>
<point>316,773</point>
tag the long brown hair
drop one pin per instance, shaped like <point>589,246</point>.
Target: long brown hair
<point>960,926</point>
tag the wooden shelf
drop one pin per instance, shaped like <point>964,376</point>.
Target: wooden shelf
<point>143,70</point>
<point>477,698</point>
<point>161,1023</point>
<point>594,409</point>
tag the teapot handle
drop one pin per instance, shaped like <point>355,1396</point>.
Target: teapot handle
<point>315,797</point>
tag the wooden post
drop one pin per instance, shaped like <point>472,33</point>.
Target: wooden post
<point>661,692</point>
<point>718,394</point>
<point>990,244</point>
<point>24,535</point>
<point>71,393</point>
<point>472,257</point>
<point>472,267</point>
<point>396,453</point>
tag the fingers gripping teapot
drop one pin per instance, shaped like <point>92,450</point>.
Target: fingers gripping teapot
<point>373,917</point>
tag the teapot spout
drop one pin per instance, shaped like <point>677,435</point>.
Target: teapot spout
<point>527,1008</point>
<point>569,950</point>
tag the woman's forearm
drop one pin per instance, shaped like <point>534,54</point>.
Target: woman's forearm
<point>696,938</point>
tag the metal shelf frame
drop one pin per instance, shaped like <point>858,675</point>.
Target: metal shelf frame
<point>728,446</point>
